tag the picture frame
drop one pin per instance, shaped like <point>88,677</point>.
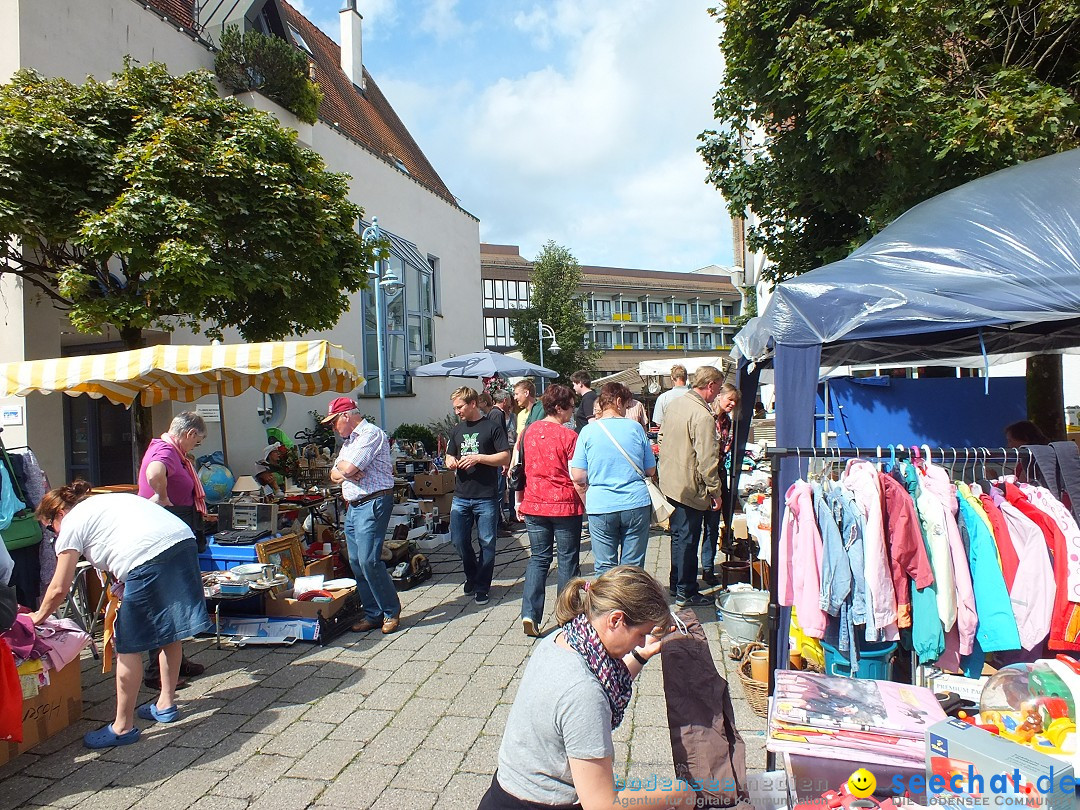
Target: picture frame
<point>283,552</point>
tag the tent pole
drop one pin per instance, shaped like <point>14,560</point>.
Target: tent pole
<point>221,421</point>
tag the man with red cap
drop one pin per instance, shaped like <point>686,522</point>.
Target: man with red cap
<point>366,474</point>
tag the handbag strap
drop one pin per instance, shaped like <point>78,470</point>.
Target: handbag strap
<point>618,446</point>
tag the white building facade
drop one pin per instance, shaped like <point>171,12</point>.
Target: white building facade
<point>435,242</point>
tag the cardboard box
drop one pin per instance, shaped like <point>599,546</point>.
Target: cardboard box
<point>436,483</point>
<point>287,606</point>
<point>56,707</point>
<point>983,765</point>
<point>323,565</point>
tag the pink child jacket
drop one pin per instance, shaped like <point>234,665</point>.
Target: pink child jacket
<point>799,575</point>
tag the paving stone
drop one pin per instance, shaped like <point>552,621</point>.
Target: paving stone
<point>364,681</point>
<point>162,765</point>
<point>252,780</point>
<point>443,685</point>
<point>275,719</point>
<point>363,725</point>
<point>69,791</point>
<point>112,798</point>
<point>325,759</point>
<point>289,794</point>
<point>17,791</point>
<point>219,803</point>
<point>298,739</point>
<point>394,798</point>
<point>288,676</point>
<point>496,676</point>
<point>391,695</point>
<point>253,701</point>
<point>391,660</point>
<point>483,755</point>
<point>454,733</point>
<point>463,792</point>
<point>394,746</point>
<point>233,751</point>
<point>180,791</point>
<point>416,672</point>
<point>358,786</point>
<point>429,769</point>
<point>212,731</point>
<point>311,690</point>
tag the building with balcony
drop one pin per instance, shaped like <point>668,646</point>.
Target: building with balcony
<point>632,315</point>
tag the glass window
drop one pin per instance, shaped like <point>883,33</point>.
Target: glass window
<point>489,293</point>
<point>436,290</point>
<point>603,310</point>
<point>500,293</point>
<point>602,338</point>
<point>489,331</point>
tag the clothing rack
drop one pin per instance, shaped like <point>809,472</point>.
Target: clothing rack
<point>976,456</point>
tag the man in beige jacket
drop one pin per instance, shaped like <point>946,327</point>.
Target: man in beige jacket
<point>690,477</point>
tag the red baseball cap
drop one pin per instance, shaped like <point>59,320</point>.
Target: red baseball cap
<point>338,406</point>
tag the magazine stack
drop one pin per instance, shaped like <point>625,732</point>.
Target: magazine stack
<point>850,719</point>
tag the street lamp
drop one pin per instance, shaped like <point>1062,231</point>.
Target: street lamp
<point>544,332</point>
<point>388,284</point>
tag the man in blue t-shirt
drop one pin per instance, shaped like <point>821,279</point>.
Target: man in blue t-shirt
<point>475,452</point>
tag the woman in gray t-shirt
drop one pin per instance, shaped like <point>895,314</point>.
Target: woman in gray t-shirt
<point>557,750</point>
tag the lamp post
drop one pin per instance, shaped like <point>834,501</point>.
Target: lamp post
<point>543,332</point>
<point>388,284</point>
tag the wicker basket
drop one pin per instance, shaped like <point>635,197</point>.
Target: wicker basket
<point>757,693</point>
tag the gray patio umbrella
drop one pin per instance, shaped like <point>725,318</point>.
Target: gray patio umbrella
<point>482,364</point>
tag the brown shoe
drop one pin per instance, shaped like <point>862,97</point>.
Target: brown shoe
<point>391,624</point>
<point>364,625</point>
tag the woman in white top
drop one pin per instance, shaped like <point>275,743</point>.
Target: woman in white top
<point>152,556</point>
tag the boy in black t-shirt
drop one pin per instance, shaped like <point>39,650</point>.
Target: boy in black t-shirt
<point>477,449</point>
<point>583,387</point>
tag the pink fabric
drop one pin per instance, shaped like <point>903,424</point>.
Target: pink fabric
<point>1046,502</point>
<point>549,491</point>
<point>861,479</point>
<point>22,639</point>
<point>936,482</point>
<point>64,640</point>
<point>1034,587</point>
<point>799,575</point>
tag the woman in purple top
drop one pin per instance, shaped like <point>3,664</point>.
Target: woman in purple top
<point>168,478</point>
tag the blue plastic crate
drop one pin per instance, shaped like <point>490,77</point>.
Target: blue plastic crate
<point>222,558</point>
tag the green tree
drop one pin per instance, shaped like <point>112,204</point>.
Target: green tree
<point>270,65</point>
<point>555,300</point>
<point>150,202</point>
<point>835,117</point>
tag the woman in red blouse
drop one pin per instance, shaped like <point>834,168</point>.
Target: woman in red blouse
<point>551,504</point>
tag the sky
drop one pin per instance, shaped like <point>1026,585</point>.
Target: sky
<point>567,120</point>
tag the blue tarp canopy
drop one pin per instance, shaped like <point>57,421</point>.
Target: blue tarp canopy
<point>990,267</point>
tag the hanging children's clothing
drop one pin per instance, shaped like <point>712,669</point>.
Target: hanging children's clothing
<point>799,566</point>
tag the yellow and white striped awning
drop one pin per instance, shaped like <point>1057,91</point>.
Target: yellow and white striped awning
<point>186,373</point>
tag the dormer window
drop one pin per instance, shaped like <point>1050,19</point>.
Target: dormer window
<point>397,162</point>
<point>298,40</point>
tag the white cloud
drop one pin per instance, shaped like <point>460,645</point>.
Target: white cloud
<point>595,150</point>
<point>440,19</point>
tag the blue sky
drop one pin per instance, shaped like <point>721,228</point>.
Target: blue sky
<point>571,120</point>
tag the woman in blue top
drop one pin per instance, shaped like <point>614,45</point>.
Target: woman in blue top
<point>616,498</point>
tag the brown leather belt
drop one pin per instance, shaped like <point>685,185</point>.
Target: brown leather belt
<point>371,497</point>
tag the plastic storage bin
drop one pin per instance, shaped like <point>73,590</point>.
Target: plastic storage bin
<point>875,659</point>
<point>222,558</point>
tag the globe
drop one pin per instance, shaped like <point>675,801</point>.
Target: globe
<point>218,482</point>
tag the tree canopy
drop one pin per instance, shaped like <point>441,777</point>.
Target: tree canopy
<point>148,201</point>
<point>836,116</point>
<point>555,300</point>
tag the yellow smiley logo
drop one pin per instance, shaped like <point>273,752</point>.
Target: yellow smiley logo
<point>862,783</point>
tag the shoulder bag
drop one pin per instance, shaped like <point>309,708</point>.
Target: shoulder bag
<point>515,477</point>
<point>24,530</point>
<point>661,507</point>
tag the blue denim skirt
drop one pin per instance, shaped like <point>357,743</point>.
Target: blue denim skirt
<point>163,601</point>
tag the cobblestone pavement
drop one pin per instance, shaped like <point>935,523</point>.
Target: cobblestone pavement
<point>411,720</point>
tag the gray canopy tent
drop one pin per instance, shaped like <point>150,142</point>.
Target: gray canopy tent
<point>990,267</point>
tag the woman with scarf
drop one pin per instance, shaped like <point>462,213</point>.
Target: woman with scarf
<point>167,477</point>
<point>557,751</point>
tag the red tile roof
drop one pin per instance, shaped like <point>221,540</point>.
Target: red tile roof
<point>364,116</point>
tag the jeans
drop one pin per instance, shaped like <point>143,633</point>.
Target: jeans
<point>545,533</point>
<point>620,538</point>
<point>709,539</point>
<point>365,530</point>
<point>484,512</point>
<point>685,532</point>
